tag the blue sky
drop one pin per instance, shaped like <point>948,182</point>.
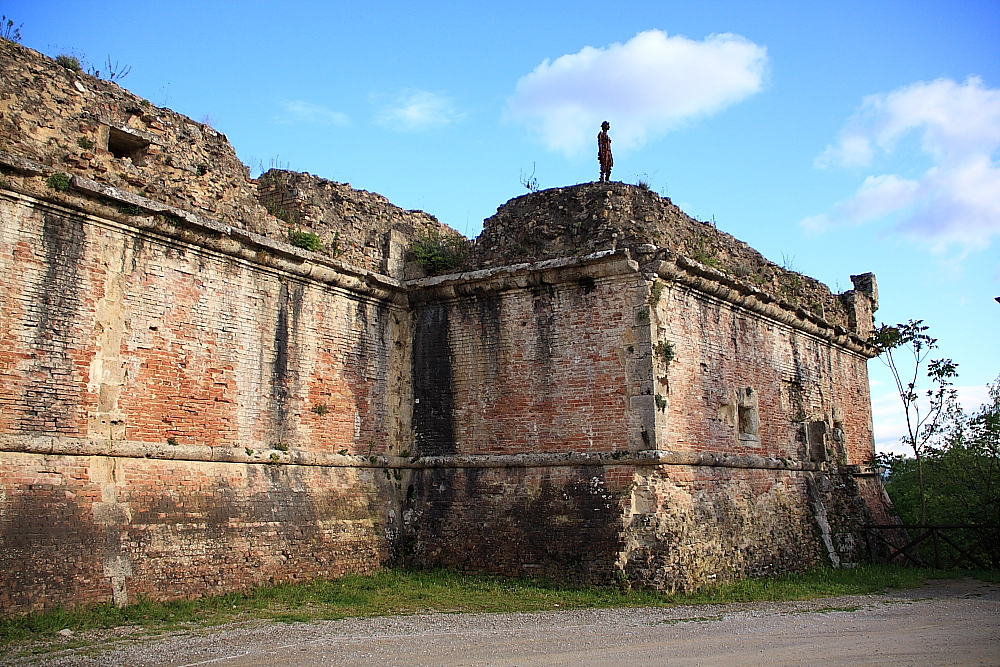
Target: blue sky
<point>837,137</point>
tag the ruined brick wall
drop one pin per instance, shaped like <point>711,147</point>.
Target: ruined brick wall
<point>544,394</point>
<point>90,529</point>
<point>191,404</point>
<point>111,333</point>
<point>547,365</point>
<point>358,227</point>
<point>593,217</point>
<point>176,419</point>
<point>745,384</point>
<point>559,522</point>
<point>75,123</point>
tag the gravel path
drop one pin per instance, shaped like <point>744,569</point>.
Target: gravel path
<point>947,622</point>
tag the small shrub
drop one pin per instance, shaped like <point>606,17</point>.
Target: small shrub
<point>320,409</point>
<point>280,446</point>
<point>306,240</point>
<point>655,292</point>
<point>706,259</point>
<point>529,181</point>
<point>248,451</point>
<point>8,31</point>
<point>171,220</point>
<point>665,351</point>
<point>85,143</point>
<point>172,441</point>
<point>131,209</point>
<point>440,253</point>
<point>642,182</point>
<point>279,213</point>
<point>58,182</point>
<point>661,403</point>
<point>342,452</point>
<point>69,62</point>
<point>335,249</point>
<point>275,458</point>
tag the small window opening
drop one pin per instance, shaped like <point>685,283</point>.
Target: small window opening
<point>817,433</point>
<point>748,422</point>
<point>125,145</point>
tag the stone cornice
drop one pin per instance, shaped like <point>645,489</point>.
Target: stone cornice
<point>519,276</point>
<point>685,271</point>
<point>70,446</point>
<point>193,229</point>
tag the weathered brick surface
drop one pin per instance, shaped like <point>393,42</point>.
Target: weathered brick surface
<point>189,405</point>
<point>107,333</point>
<point>112,334</point>
<point>542,369</point>
<point>562,523</point>
<point>794,378</point>
<point>74,527</point>
<point>356,226</point>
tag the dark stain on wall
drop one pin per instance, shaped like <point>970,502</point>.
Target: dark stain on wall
<point>50,542</point>
<point>545,317</point>
<point>284,376</point>
<point>52,393</point>
<point>559,523</point>
<point>433,383</point>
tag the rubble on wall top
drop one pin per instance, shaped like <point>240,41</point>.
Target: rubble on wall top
<point>583,219</point>
<point>352,224</point>
<point>56,120</point>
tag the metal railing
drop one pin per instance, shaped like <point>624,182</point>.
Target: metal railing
<point>882,537</point>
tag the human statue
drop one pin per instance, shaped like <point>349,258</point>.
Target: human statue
<point>604,152</point>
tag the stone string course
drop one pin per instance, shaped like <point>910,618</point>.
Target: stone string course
<point>190,404</point>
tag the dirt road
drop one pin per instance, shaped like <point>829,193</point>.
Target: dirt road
<point>947,622</point>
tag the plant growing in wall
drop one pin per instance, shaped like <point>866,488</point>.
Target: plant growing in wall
<point>655,292</point>
<point>665,351</point>
<point>58,182</point>
<point>439,253</point>
<point>8,31</point>
<point>306,240</point>
<point>529,181</point>
<point>69,62</point>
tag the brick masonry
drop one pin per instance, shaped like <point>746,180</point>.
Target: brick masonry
<point>611,392</point>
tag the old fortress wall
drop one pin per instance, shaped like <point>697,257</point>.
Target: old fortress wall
<point>191,404</point>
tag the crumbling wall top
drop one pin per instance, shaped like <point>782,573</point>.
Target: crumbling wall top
<point>73,122</point>
<point>587,218</point>
<point>356,226</point>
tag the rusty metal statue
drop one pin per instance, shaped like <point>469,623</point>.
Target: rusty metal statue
<point>604,152</point>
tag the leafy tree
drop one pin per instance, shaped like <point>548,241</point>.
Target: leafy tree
<point>924,425</point>
<point>962,478</point>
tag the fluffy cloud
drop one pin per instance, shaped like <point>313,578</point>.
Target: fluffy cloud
<point>645,87</point>
<point>416,110</point>
<point>297,111</point>
<point>956,200</point>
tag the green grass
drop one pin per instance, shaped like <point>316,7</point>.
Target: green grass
<point>395,592</point>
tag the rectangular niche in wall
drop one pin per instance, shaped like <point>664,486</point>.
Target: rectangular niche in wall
<point>123,144</point>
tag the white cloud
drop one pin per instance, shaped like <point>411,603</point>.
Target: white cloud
<point>416,110</point>
<point>297,111</point>
<point>957,200</point>
<point>645,87</point>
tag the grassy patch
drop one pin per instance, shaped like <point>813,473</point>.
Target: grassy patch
<point>394,592</point>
